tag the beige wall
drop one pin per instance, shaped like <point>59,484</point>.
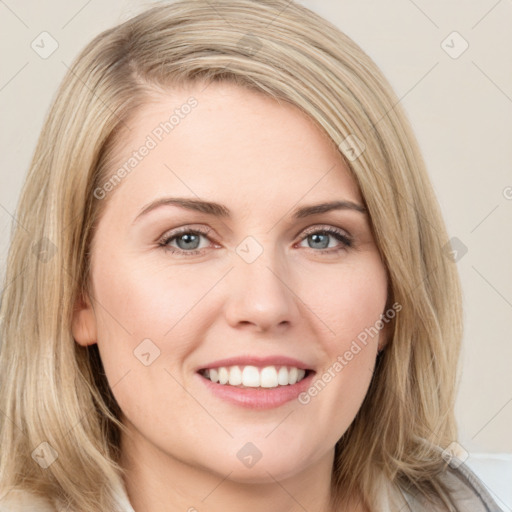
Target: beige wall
<point>461,109</point>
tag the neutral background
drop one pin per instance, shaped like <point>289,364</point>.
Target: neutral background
<point>459,103</point>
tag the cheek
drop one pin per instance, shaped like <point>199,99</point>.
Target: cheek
<point>149,313</point>
<point>139,338</point>
<point>144,301</point>
<point>353,300</point>
<point>139,313</point>
<point>351,307</point>
<point>340,386</point>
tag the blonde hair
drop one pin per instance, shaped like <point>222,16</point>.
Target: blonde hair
<point>54,391</point>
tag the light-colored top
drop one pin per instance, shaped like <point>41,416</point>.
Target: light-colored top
<point>468,492</point>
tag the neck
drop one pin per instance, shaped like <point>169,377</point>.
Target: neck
<point>157,482</point>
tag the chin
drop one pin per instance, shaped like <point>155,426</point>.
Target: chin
<point>266,470</point>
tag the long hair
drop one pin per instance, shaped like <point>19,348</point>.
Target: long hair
<point>56,405</point>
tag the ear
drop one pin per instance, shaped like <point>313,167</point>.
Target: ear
<point>386,332</point>
<point>84,322</point>
<point>384,336</point>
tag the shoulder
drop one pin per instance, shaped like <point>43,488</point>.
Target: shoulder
<point>19,500</point>
<point>24,501</point>
<point>467,491</point>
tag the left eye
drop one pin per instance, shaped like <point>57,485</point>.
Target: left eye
<point>320,238</point>
<point>188,240</point>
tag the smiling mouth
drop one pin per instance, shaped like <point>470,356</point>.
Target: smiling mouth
<point>248,376</point>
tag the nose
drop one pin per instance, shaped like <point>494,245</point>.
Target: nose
<point>260,293</point>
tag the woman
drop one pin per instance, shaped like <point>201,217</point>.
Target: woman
<point>302,353</point>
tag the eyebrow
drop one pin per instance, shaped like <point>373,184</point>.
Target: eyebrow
<point>219,210</point>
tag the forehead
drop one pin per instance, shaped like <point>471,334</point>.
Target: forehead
<point>229,144</point>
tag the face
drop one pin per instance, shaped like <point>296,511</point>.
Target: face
<point>249,284</point>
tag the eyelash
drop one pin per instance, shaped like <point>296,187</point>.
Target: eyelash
<point>336,233</point>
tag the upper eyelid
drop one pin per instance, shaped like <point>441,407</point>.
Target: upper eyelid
<point>319,227</point>
<point>185,229</point>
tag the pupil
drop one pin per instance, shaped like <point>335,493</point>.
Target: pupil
<point>188,238</point>
<point>316,237</point>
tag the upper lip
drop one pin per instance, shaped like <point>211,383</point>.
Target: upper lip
<point>259,361</point>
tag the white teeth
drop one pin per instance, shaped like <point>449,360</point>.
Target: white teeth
<point>251,377</point>
<point>223,375</point>
<point>213,374</point>
<point>235,376</point>
<point>282,376</point>
<point>254,377</point>
<point>269,377</point>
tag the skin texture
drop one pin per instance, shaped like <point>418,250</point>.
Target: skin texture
<point>261,159</point>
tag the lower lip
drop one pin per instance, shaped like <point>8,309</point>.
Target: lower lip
<point>258,398</point>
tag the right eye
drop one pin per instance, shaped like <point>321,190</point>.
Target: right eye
<point>185,237</point>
